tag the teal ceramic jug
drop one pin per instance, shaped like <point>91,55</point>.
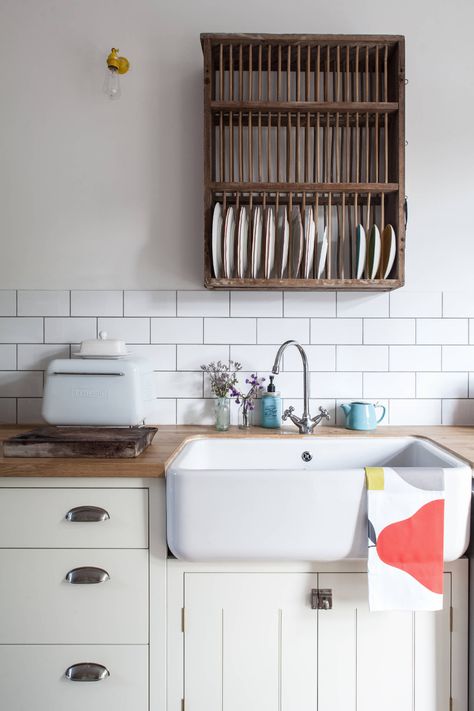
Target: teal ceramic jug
<point>362,415</point>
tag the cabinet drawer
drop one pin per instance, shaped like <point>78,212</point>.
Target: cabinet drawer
<point>34,678</point>
<point>38,605</point>
<point>36,518</point>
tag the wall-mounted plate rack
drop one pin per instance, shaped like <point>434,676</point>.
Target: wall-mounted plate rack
<point>313,124</point>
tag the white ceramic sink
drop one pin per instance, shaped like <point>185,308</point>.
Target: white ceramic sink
<point>257,499</point>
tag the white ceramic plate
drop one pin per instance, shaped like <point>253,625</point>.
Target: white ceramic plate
<point>256,241</point>
<point>269,242</point>
<point>229,234</point>
<point>297,243</point>
<point>389,249</point>
<point>323,252</point>
<point>361,251</point>
<point>283,240</point>
<point>374,251</point>
<point>242,243</point>
<point>217,240</point>
<point>309,235</point>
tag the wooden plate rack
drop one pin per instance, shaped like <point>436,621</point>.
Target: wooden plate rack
<point>307,120</point>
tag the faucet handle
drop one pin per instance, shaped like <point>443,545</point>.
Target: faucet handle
<point>323,416</point>
<point>288,412</point>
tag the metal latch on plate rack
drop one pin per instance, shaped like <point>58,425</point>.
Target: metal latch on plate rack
<point>321,599</point>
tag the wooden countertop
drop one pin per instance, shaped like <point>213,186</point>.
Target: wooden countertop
<point>459,440</point>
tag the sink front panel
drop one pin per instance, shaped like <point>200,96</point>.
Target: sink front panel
<point>248,511</point>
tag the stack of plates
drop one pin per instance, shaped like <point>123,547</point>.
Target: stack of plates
<point>375,254</point>
<point>267,243</point>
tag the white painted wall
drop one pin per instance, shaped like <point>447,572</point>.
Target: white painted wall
<point>99,194</point>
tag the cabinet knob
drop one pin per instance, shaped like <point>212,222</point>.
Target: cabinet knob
<point>87,513</point>
<point>87,671</point>
<point>87,575</point>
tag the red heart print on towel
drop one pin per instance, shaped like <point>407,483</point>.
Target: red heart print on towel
<point>415,545</point>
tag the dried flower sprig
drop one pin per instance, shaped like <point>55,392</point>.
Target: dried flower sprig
<point>223,377</point>
<point>248,398</point>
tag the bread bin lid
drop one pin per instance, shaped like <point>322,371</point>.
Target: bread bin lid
<point>102,347</point>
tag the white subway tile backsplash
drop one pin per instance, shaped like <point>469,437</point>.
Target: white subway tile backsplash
<point>97,303</point>
<point>7,410</point>
<point>344,331</point>
<point>368,350</point>
<point>415,304</point>
<point>315,304</point>
<point>442,331</point>
<point>389,385</point>
<point>203,303</point>
<point>7,302</point>
<point>336,385</point>
<point>178,384</point>
<point>37,356</point>
<point>176,330</point>
<point>278,330</point>
<point>161,357</point>
<point>229,330</point>
<point>415,412</point>
<point>441,385</point>
<point>385,330</point>
<point>69,330</point>
<point>149,303</point>
<point>319,358</point>
<point>458,358</point>
<point>195,412</point>
<point>21,330</point>
<point>43,303</point>
<point>351,305</point>
<point>362,358</point>
<point>192,357</point>
<point>130,330</point>
<point>458,412</point>
<point>161,411</point>
<point>264,303</point>
<point>413,358</point>
<point>15,383</point>
<point>258,358</point>
<point>29,411</point>
<point>8,356</point>
<point>458,304</point>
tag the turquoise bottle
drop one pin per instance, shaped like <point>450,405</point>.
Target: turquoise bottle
<point>271,407</point>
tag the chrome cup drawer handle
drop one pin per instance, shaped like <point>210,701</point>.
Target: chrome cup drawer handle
<point>87,671</point>
<point>87,575</point>
<point>87,513</point>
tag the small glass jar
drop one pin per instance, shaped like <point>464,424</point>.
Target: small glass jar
<point>222,413</point>
<point>245,415</point>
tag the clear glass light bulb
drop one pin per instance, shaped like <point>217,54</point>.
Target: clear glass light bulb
<point>112,83</point>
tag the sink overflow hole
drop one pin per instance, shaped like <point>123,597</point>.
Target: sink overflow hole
<point>306,456</point>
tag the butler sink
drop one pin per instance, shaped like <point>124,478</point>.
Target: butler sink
<point>297,498</point>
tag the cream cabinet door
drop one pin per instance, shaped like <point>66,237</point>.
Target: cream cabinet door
<point>253,642</point>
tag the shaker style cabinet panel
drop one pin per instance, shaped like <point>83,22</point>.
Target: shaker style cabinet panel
<point>33,678</point>
<point>40,606</point>
<point>73,518</point>
<point>252,642</point>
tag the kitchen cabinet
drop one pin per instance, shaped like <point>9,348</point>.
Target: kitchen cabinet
<point>252,641</point>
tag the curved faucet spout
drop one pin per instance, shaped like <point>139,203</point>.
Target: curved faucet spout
<point>276,370</point>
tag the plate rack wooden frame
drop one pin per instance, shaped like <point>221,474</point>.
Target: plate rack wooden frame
<point>307,121</point>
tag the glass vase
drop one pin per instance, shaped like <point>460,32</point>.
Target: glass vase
<point>222,413</point>
<point>245,415</point>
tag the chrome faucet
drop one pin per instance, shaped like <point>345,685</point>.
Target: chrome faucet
<point>305,423</point>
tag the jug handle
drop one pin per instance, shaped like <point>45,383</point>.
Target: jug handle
<point>383,413</point>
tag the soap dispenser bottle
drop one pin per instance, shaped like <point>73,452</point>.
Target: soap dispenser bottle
<point>271,406</point>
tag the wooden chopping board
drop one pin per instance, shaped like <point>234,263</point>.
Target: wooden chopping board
<point>84,442</point>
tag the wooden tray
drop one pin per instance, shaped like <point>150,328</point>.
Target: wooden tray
<point>84,442</point>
